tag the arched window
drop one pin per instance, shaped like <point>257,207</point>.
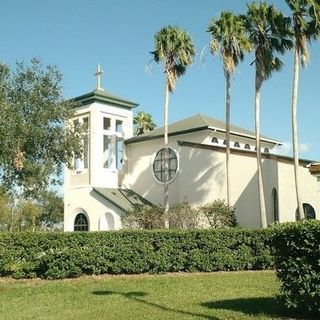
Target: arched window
<point>309,212</point>
<point>81,222</point>
<point>247,146</point>
<point>225,142</point>
<point>159,165</point>
<point>236,145</point>
<point>266,150</point>
<point>275,205</point>
<point>214,140</point>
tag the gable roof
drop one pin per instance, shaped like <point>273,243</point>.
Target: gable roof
<point>195,123</point>
<point>104,97</point>
<point>122,198</point>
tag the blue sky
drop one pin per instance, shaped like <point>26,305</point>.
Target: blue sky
<point>118,34</point>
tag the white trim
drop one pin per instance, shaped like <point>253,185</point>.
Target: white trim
<point>244,135</point>
<point>81,169</point>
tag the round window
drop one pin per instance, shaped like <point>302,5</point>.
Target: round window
<point>159,165</point>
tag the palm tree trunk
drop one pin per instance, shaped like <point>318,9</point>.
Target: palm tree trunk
<point>166,159</point>
<point>228,102</point>
<point>294,121</point>
<point>263,216</point>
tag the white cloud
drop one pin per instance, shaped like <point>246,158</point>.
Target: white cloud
<point>305,147</point>
<point>286,148</point>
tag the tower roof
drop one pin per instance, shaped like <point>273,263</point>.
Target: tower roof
<point>104,97</point>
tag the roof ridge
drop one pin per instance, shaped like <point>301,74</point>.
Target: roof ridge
<point>202,116</point>
<point>198,122</point>
<point>181,120</point>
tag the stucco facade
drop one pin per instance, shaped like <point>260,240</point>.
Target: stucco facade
<point>198,143</point>
<point>201,178</point>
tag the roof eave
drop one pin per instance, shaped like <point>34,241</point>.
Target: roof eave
<point>146,138</point>
<point>108,199</point>
<point>95,96</point>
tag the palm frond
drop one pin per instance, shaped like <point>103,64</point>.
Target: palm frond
<point>306,25</point>
<point>143,122</point>
<point>271,33</point>
<point>174,47</point>
<point>229,39</point>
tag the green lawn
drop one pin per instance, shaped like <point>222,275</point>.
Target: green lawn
<point>232,295</point>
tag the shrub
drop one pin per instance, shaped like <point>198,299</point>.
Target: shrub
<point>297,261</point>
<point>60,255</point>
<point>183,216</point>
<point>144,217</point>
<point>218,214</point>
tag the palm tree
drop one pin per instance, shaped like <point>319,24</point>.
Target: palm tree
<point>305,21</point>
<point>173,47</point>
<point>143,122</point>
<point>269,31</point>
<point>228,39</point>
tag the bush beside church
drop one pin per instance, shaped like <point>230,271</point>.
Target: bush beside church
<point>61,255</point>
<point>215,214</point>
<point>292,248</point>
<point>297,261</point>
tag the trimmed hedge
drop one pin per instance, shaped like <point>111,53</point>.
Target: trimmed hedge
<point>62,255</point>
<point>297,261</point>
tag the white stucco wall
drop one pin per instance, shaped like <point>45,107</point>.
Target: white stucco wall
<point>102,177</point>
<point>98,210</point>
<point>78,194</point>
<point>201,178</point>
<point>310,191</point>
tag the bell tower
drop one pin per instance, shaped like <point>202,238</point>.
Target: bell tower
<point>109,121</point>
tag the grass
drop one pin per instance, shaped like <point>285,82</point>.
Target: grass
<point>232,295</point>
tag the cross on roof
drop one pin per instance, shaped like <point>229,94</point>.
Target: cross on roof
<point>98,74</point>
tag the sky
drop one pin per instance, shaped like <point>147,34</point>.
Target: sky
<point>76,35</point>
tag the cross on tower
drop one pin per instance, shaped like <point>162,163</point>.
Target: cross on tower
<point>98,74</point>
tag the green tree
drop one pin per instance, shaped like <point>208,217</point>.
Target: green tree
<point>35,140</point>
<point>5,211</point>
<point>173,47</point>
<point>27,216</point>
<point>228,39</point>
<point>305,21</point>
<point>52,210</point>
<point>270,33</point>
<point>143,122</point>
<point>43,213</point>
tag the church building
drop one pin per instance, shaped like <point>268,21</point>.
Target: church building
<point>118,169</point>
